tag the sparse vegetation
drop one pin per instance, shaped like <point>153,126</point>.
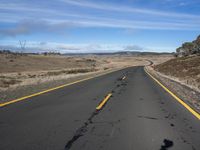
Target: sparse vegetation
<point>30,73</point>
<point>184,68</point>
<point>51,53</point>
<point>14,62</point>
<point>4,83</point>
<point>21,70</point>
<point>72,71</point>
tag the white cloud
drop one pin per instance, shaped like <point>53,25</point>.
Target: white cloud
<point>39,47</point>
<point>133,48</point>
<point>118,8</point>
<point>26,27</point>
<point>55,19</point>
<point>183,4</point>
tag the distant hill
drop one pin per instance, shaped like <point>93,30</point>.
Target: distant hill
<point>189,48</point>
<point>136,53</point>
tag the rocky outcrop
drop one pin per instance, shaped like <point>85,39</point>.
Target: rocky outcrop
<point>189,48</point>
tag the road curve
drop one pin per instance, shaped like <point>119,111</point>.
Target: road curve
<point>138,114</point>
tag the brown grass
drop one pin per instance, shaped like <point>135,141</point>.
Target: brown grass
<point>12,63</point>
<point>181,67</point>
<point>33,69</point>
<point>72,71</point>
<point>185,68</point>
<point>5,83</point>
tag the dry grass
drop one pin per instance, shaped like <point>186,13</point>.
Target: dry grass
<point>72,71</point>
<point>186,69</point>
<point>5,83</point>
<point>16,63</point>
<point>22,70</point>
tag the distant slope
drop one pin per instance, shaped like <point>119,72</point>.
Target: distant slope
<point>135,53</point>
<point>186,69</point>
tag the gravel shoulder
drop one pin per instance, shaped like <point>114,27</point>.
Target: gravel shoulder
<point>186,92</point>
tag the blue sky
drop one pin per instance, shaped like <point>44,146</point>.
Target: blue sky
<point>98,26</point>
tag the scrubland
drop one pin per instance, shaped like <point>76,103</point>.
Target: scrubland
<point>26,74</point>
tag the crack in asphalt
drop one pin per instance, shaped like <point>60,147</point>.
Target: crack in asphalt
<point>147,117</point>
<point>84,128</point>
<point>81,131</point>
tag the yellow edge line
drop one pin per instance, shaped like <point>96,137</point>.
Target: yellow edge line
<point>51,89</point>
<point>196,114</point>
<point>104,101</point>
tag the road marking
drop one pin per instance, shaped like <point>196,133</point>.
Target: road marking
<point>104,101</point>
<point>124,78</point>
<point>51,89</point>
<point>196,114</point>
<point>42,92</point>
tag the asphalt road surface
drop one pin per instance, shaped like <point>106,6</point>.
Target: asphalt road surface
<point>140,115</point>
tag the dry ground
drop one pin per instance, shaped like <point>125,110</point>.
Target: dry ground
<point>17,63</point>
<point>23,75</point>
<point>185,69</point>
<point>16,70</point>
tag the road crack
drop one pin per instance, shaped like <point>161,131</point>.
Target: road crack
<point>81,131</point>
<point>84,128</point>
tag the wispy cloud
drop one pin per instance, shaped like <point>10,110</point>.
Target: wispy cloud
<point>126,9</point>
<point>56,20</point>
<point>133,48</point>
<point>183,4</point>
<point>70,48</point>
<point>57,17</point>
<point>26,27</point>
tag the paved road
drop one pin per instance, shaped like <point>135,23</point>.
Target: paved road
<point>140,115</point>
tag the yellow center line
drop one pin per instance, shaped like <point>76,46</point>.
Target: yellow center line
<point>51,89</point>
<point>42,92</point>
<point>104,101</point>
<point>196,114</point>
